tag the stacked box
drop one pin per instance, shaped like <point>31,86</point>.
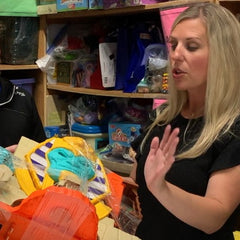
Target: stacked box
<point>113,4</point>
<point>122,133</point>
<point>71,5</point>
<point>95,4</point>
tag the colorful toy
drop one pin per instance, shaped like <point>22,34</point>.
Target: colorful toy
<point>75,162</point>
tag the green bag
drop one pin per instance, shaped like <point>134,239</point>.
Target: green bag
<point>18,8</point>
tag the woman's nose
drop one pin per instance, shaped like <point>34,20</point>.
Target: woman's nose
<point>177,53</point>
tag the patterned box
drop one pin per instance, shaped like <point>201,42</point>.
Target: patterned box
<point>71,5</point>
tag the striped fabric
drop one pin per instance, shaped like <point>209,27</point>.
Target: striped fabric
<point>39,161</point>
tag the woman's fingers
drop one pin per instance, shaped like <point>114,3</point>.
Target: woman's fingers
<point>153,149</point>
<point>165,137</point>
<point>160,158</point>
<point>170,154</point>
<point>12,148</point>
<point>163,151</point>
<point>170,140</point>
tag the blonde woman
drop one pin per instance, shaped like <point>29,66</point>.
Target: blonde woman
<point>188,160</point>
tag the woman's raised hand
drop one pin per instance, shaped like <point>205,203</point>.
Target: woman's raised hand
<point>160,159</point>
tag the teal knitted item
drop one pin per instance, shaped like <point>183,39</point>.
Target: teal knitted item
<point>63,159</point>
<point>6,158</point>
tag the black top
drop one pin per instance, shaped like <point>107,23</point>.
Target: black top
<point>191,175</point>
<point>18,115</point>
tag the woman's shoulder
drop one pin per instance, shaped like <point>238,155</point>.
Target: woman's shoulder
<point>235,129</point>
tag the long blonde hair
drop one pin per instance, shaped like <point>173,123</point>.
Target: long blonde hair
<point>222,100</point>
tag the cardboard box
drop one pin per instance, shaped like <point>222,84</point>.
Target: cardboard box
<point>122,133</point>
<point>56,109</point>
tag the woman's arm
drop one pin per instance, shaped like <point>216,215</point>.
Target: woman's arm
<point>206,213</point>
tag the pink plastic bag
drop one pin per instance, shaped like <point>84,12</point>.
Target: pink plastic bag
<point>167,18</point>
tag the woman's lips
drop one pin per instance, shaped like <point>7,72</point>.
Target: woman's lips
<point>177,73</point>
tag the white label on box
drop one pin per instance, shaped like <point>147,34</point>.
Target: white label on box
<point>108,55</point>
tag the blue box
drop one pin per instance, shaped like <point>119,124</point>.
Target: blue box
<point>26,83</point>
<point>122,133</point>
<point>95,4</point>
<point>71,5</point>
<point>52,131</point>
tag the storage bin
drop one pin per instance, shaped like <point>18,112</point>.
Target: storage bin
<point>94,135</point>
<point>52,131</point>
<point>26,83</point>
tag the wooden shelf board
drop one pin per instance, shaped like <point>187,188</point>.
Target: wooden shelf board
<point>109,93</point>
<point>17,67</point>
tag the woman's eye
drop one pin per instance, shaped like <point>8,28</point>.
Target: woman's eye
<point>192,47</point>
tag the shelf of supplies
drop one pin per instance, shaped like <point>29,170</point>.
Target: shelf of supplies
<point>17,67</point>
<point>109,93</point>
<point>120,11</point>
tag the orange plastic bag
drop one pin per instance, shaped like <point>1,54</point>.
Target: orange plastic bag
<point>53,213</point>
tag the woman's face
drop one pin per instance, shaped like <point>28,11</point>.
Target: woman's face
<point>189,55</point>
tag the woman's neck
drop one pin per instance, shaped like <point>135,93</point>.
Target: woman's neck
<point>191,111</point>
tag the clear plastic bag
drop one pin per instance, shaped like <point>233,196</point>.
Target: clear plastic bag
<point>19,40</point>
<point>155,61</point>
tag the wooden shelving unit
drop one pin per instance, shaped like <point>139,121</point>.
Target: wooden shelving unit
<point>47,15</point>
<point>75,16</point>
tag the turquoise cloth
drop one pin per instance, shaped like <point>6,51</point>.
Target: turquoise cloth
<point>63,159</point>
<point>6,157</point>
<point>21,8</point>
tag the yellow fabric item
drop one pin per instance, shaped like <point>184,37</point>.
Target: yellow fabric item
<point>25,180</point>
<point>102,210</point>
<point>53,142</point>
<point>38,163</point>
<point>236,235</point>
<point>81,147</point>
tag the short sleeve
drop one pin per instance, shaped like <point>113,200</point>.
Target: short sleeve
<point>228,155</point>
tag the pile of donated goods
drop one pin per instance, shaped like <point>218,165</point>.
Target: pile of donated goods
<point>58,189</point>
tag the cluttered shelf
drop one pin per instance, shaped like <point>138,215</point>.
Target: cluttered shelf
<point>17,67</point>
<point>110,93</point>
<point>114,11</point>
